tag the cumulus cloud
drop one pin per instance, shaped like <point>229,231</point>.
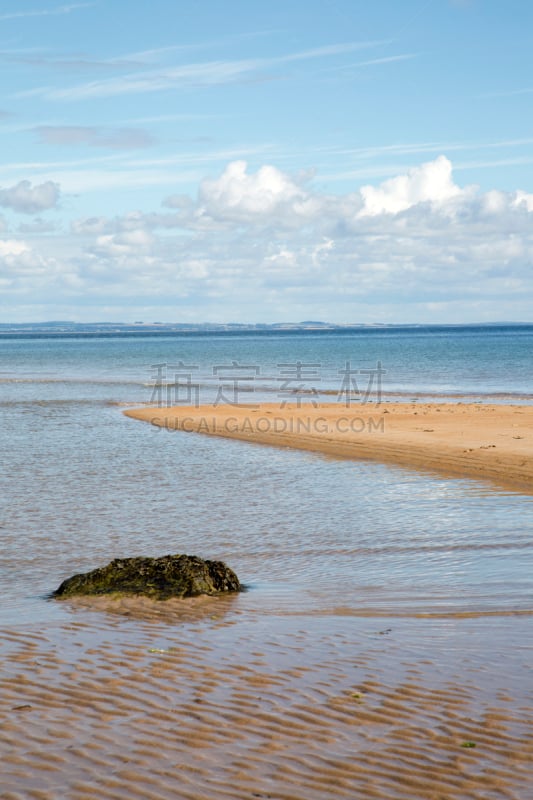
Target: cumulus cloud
<point>123,244</point>
<point>430,183</point>
<point>133,221</point>
<point>90,226</point>
<point>524,199</point>
<point>12,248</point>
<point>21,268</point>
<point>269,244</point>
<point>177,201</point>
<point>239,195</point>
<point>28,199</point>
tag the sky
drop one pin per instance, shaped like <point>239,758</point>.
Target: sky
<point>237,161</point>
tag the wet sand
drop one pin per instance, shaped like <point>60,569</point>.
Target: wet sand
<point>486,442</point>
<point>218,703</point>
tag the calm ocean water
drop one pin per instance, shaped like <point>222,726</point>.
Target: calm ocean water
<point>82,484</point>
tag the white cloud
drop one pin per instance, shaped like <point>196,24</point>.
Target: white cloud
<point>262,245</point>
<point>124,244</point>
<point>28,199</point>
<point>284,258</point>
<point>23,270</point>
<point>10,248</point>
<point>321,250</point>
<point>177,201</point>
<point>494,202</point>
<point>524,199</point>
<point>89,226</point>
<point>430,183</point>
<point>237,194</point>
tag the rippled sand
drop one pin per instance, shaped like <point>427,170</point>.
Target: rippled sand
<point>203,700</point>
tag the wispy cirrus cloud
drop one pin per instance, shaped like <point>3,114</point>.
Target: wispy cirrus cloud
<point>386,60</point>
<point>45,12</point>
<point>138,59</point>
<point>110,138</point>
<point>82,63</point>
<point>371,62</point>
<point>42,59</point>
<point>509,93</point>
<point>195,75</point>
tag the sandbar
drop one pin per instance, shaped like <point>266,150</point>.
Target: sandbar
<point>476,440</point>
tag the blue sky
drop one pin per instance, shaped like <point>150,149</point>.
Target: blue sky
<point>242,161</point>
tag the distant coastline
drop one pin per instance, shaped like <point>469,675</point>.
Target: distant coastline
<point>118,329</point>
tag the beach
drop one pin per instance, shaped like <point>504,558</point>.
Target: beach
<point>381,648</point>
<point>211,701</point>
<point>266,400</point>
<point>482,441</point>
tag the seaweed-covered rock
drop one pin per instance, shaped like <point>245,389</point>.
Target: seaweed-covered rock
<point>159,578</point>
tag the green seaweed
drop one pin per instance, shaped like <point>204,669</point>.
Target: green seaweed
<point>158,578</point>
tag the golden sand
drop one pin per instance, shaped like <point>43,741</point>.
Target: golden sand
<point>487,442</point>
<point>107,708</point>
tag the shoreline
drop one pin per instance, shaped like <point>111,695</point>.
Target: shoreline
<point>473,440</point>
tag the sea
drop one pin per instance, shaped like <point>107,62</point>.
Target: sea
<point>307,534</point>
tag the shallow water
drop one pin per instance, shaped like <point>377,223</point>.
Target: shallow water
<point>82,484</point>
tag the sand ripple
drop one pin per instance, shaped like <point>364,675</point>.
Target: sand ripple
<point>270,708</point>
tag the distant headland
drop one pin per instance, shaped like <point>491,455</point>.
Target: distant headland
<point>140,328</point>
